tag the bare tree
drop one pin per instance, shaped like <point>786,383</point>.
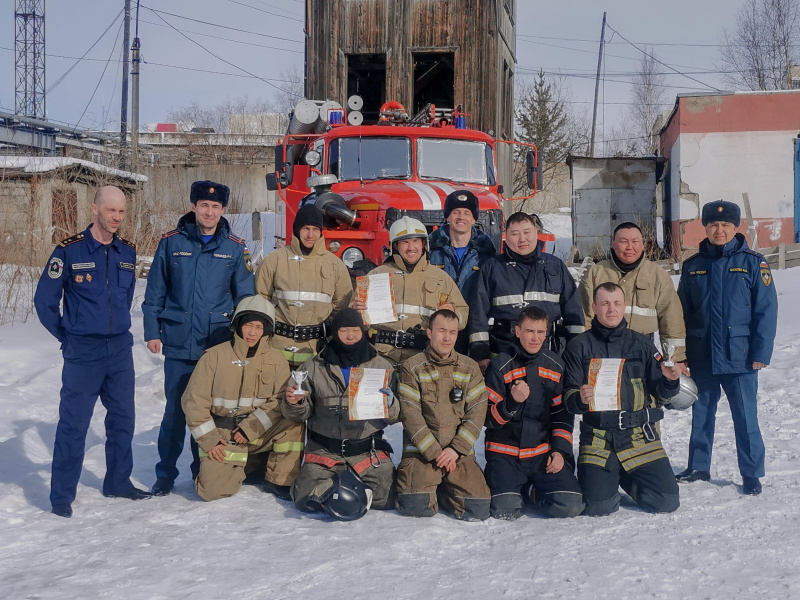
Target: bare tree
<point>757,54</point>
<point>291,91</point>
<point>543,118</point>
<point>649,99</point>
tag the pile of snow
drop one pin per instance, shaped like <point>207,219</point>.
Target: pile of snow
<point>719,544</point>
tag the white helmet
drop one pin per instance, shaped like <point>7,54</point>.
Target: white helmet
<point>686,396</point>
<point>406,228</point>
<point>253,305</point>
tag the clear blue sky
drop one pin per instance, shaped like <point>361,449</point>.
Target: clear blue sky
<point>265,36</point>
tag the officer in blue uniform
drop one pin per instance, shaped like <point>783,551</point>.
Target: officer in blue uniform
<point>94,273</point>
<point>731,310</point>
<point>199,273</point>
<point>460,248</point>
<point>522,275</point>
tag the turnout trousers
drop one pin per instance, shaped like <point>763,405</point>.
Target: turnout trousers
<point>741,390</point>
<point>463,492</point>
<point>554,494</point>
<point>94,368</point>
<point>375,470</point>
<point>172,434</point>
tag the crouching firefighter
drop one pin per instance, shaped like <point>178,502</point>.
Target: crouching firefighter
<point>442,406</point>
<point>528,430</point>
<point>613,377</point>
<point>347,465</point>
<point>232,406</point>
<point>419,290</point>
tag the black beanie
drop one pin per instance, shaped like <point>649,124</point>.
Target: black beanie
<point>347,317</point>
<point>307,215</point>
<point>249,317</point>
<point>461,199</point>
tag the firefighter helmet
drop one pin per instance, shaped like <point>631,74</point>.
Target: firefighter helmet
<point>406,228</point>
<point>348,498</point>
<point>686,396</point>
<point>254,305</point>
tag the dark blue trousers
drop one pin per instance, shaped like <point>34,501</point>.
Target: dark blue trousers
<point>741,390</point>
<point>172,434</point>
<point>94,368</point>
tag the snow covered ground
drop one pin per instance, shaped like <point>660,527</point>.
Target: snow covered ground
<point>719,544</point>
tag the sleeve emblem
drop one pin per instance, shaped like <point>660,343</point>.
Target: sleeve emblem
<point>55,268</point>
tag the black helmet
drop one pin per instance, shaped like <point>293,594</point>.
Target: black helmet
<point>348,498</point>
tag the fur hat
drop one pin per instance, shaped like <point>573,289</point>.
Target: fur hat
<point>461,199</point>
<point>208,190</point>
<point>721,210</point>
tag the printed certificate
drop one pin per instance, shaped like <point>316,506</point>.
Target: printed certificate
<point>605,376</point>
<point>377,293</point>
<point>365,400</point>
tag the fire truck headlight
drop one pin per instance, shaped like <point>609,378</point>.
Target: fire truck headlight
<point>351,256</point>
<point>312,158</point>
<point>335,247</point>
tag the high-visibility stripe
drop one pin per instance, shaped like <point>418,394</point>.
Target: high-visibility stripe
<point>531,452</point>
<point>515,374</point>
<point>413,309</point>
<point>410,449</point>
<point>548,374</point>
<point>526,297</point>
<point>461,377</point>
<point>493,396</point>
<point>263,418</point>
<point>230,455</point>
<point>367,462</point>
<point>639,394</point>
<point>426,442</point>
<point>284,447</point>
<point>641,311</point>
<point>506,300</point>
<point>292,296</point>
<point>225,403</point>
<point>428,197</point>
<point>496,414</point>
<point>556,400</point>
<point>673,341</point>
<point>246,402</point>
<point>563,433</point>
<point>575,328</point>
<point>475,392</point>
<point>481,336</point>
<point>542,297</point>
<point>520,452</point>
<point>427,377</point>
<point>408,392</point>
<point>203,429</point>
<point>325,461</point>
<point>462,431</point>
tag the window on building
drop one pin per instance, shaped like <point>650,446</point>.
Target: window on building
<point>434,80</point>
<point>64,213</point>
<point>366,77</point>
<point>507,103</point>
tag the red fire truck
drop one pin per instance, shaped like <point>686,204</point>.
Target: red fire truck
<point>364,177</point>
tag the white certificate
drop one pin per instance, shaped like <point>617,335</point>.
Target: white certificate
<point>605,376</point>
<point>365,400</point>
<point>376,292</point>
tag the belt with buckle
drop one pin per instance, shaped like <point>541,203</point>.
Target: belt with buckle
<point>348,447</point>
<point>622,419</point>
<point>402,339</point>
<point>299,333</point>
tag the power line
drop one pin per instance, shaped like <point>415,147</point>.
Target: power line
<point>216,25</point>
<point>662,63</point>
<point>116,39</point>
<point>216,37</point>
<point>562,39</point>
<point>235,66</point>
<point>265,11</point>
<point>68,71</point>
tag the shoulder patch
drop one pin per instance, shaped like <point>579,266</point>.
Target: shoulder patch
<point>692,257</point>
<point>754,253</point>
<point>170,233</point>
<point>71,240</point>
<point>128,243</point>
<point>237,239</point>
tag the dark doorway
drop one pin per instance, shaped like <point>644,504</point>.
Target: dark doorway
<point>366,77</point>
<point>64,214</point>
<point>434,80</point>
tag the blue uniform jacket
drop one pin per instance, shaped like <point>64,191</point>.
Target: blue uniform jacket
<point>464,273</point>
<point>192,288</point>
<point>506,286</point>
<point>96,282</point>
<point>730,308</point>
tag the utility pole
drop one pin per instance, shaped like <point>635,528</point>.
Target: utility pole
<point>597,85</point>
<point>29,59</point>
<point>126,42</point>
<point>135,60</point>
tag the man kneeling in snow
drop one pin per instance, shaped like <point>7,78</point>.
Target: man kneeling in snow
<point>232,406</point>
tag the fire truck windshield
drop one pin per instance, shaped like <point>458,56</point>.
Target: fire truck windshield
<point>372,158</point>
<point>454,160</point>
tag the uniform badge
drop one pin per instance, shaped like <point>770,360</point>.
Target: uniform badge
<point>78,278</point>
<point>766,275</point>
<point>55,268</point>
<point>211,191</point>
<point>88,277</point>
<point>247,262</point>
